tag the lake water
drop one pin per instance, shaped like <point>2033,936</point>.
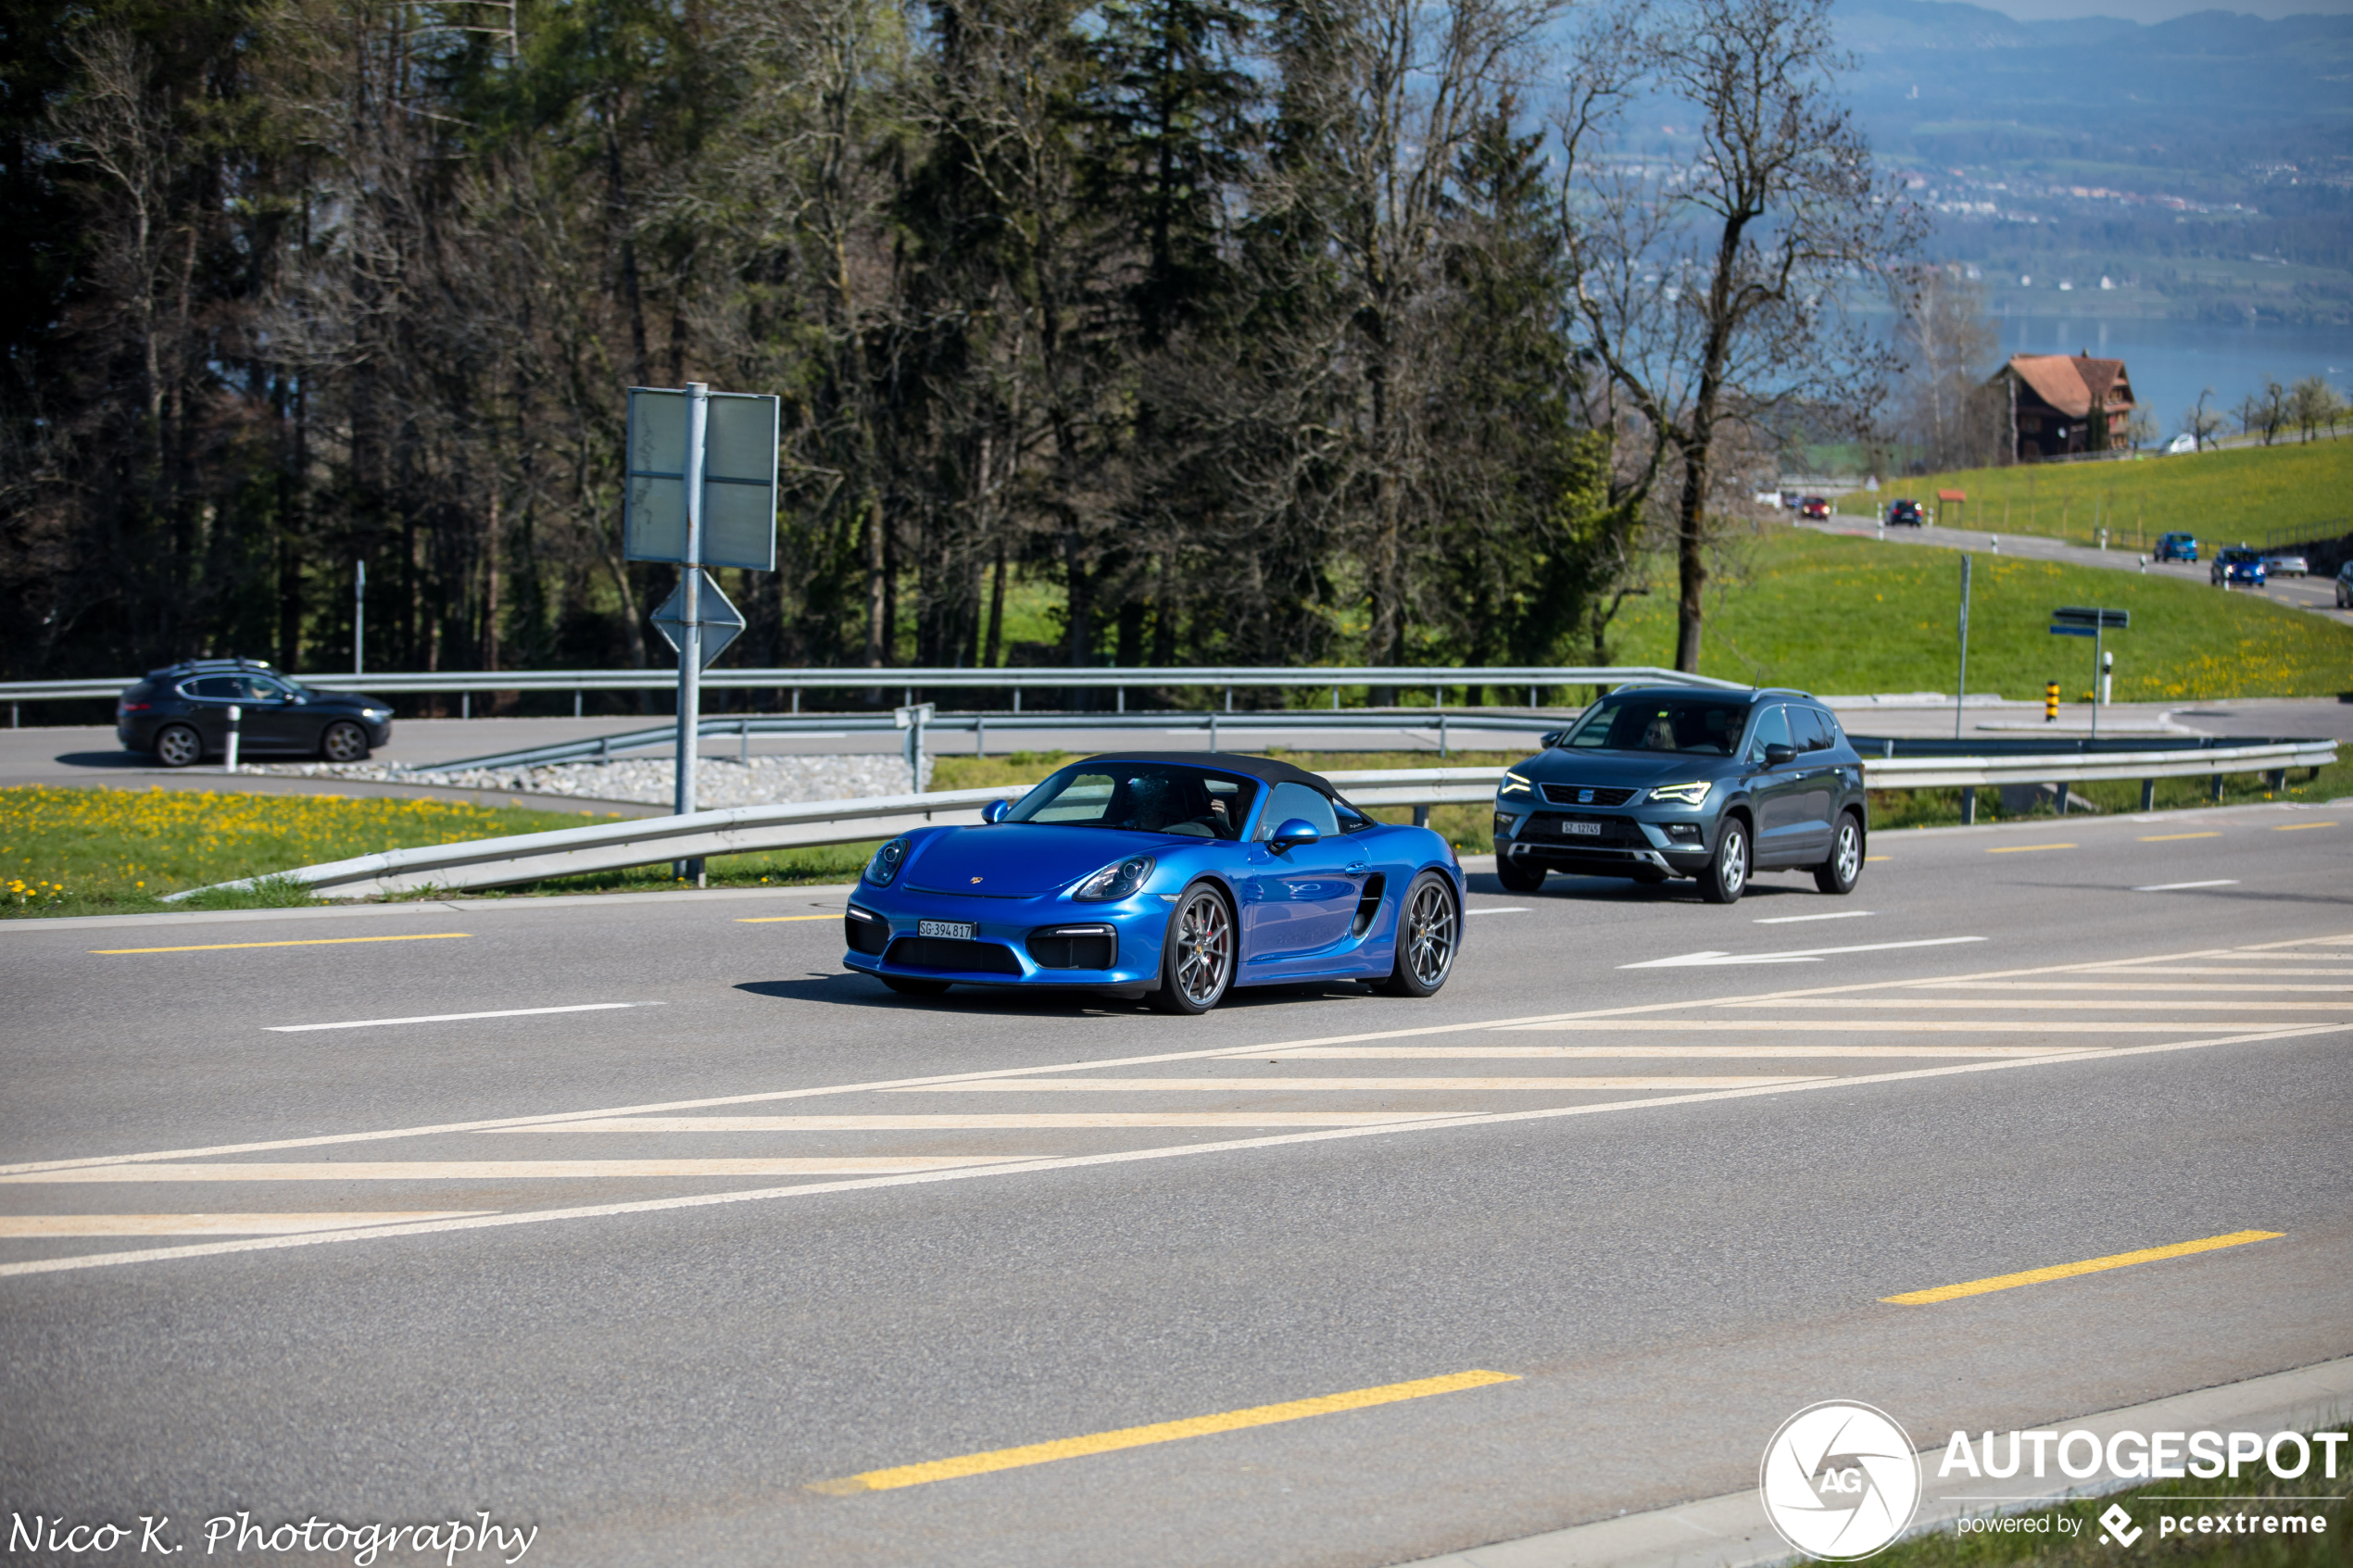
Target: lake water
<point>2168,361</point>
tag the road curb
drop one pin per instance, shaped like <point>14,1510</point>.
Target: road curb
<point>1730,1531</point>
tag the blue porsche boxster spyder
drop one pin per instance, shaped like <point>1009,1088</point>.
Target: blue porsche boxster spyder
<point>1176,877</point>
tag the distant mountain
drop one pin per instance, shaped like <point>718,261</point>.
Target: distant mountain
<point>1943,79</point>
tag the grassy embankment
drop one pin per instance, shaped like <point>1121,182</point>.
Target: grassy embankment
<point>1819,613</point>
<point>2254,1494</point>
<point>2260,496</point>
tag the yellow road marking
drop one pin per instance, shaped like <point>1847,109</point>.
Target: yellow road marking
<point>15,1226</point>
<point>2026,848</point>
<point>1878,857</point>
<point>2090,1266</point>
<point>1160,1431</point>
<point>307,942</point>
<point>2300,827</point>
<point>779,920</point>
<point>2170,837</point>
<point>512,1170</point>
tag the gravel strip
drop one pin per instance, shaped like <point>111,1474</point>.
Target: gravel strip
<point>719,782</point>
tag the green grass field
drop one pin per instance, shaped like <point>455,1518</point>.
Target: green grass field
<point>2260,496</point>
<point>1840,616</point>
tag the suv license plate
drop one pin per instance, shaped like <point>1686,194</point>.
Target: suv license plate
<point>956,930</point>
<point>1589,829</point>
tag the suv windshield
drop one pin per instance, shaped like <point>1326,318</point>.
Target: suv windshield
<point>1141,797</point>
<point>1709,726</point>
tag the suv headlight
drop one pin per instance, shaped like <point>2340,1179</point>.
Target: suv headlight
<point>884,868</point>
<point>1515,784</point>
<point>1118,880</point>
<point>1683,793</point>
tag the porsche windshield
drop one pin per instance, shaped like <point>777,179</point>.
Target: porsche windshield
<point>1141,797</point>
<point>1708,726</point>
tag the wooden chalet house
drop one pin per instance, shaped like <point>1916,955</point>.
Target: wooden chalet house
<point>2061,404</point>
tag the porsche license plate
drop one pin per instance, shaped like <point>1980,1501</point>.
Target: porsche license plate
<point>956,930</point>
<point>1590,830</point>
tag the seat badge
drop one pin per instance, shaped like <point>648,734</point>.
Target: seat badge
<point>1584,797</point>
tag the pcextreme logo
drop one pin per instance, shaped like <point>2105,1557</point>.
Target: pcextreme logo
<point>2120,1528</point>
<point>1840,1480</point>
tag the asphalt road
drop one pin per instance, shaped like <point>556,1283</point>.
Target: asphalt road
<point>1666,1199</point>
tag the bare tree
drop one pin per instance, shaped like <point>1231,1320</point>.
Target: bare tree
<point>1720,289</point>
<point>1942,405</point>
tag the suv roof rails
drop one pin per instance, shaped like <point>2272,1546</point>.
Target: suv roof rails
<point>193,666</point>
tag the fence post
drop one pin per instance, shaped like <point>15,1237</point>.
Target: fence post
<point>2148,795</point>
<point>465,705</point>
<point>2217,788</point>
<point>980,735</point>
<point>1969,805</point>
<point>1421,816</point>
<point>229,761</point>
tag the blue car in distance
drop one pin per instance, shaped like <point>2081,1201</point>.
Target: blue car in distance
<point>1174,877</point>
<point>2177,547</point>
<point>2237,569</point>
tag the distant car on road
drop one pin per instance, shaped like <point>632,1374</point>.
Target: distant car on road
<point>1814,509</point>
<point>2177,547</point>
<point>1905,512</point>
<point>2344,586</point>
<point>2236,568</point>
<point>181,713</point>
<point>2286,565</point>
<point>1663,782</point>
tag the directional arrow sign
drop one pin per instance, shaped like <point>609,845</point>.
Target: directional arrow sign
<point>722,621</point>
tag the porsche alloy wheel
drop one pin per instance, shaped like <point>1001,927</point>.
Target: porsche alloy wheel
<point>1428,932</point>
<point>1197,959</point>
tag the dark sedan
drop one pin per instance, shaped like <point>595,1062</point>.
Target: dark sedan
<point>181,713</point>
<point>1906,513</point>
<point>1655,783</point>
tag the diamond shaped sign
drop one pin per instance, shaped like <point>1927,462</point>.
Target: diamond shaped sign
<point>722,621</point>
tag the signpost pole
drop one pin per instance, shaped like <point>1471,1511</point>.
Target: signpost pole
<point>359,622</point>
<point>1961,686</point>
<point>690,604</point>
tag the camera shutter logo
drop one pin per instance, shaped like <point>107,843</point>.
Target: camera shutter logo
<point>1840,1481</point>
<point>2120,1528</point>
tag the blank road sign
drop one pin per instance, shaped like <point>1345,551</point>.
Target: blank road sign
<point>739,479</point>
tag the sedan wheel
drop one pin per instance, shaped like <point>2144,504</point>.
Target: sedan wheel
<point>1726,877</point>
<point>1428,933</point>
<point>1844,867</point>
<point>177,745</point>
<point>344,742</point>
<point>1197,958</point>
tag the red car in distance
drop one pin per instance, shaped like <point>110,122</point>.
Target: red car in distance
<point>1813,508</point>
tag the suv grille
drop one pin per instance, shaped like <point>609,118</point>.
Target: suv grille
<point>945,952</point>
<point>1586,795</point>
<point>1618,833</point>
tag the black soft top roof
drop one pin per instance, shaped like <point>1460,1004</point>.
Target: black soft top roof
<point>1266,769</point>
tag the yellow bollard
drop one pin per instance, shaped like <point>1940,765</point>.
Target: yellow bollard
<point>2050,702</point>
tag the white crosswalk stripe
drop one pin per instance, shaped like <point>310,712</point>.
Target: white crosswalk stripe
<point>1799,1039</point>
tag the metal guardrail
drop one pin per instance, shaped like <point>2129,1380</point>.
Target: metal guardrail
<point>978,725</point>
<point>910,681</point>
<point>497,862</point>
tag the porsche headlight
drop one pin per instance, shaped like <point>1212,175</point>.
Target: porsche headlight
<point>884,868</point>
<point>1118,880</point>
<point>1683,793</point>
<point>1515,784</point>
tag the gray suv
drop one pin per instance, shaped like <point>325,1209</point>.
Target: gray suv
<point>1652,782</point>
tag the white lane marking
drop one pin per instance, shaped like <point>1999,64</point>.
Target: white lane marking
<point>506,1170</point>
<point>454,1017</point>
<point>1677,1052</point>
<point>2170,886</point>
<point>1839,914</point>
<point>2137,987</point>
<point>1273,1085</point>
<point>2190,968</point>
<point>766,1097</point>
<point>1010,1121</point>
<point>1896,1025</point>
<point>1501,910</point>
<point>1799,955</point>
<point>2028,1003</point>
<point>1078,1162</point>
<point>23,1226</point>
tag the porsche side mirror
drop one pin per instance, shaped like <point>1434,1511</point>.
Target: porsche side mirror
<point>1779,755</point>
<point>1298,830</point>
<point>995,810</point>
